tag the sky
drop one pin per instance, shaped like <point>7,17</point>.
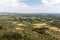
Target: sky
<point>30,6</point>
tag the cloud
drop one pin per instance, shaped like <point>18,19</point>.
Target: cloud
<point>12,3</point>
<point>48,6</point>
<point>51,2</point>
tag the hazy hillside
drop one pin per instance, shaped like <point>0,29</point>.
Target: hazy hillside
<point>30,14</point>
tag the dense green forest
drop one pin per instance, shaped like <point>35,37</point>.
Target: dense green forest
<point>29,27</point>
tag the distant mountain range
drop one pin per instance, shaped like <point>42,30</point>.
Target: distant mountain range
<point>29,14</point>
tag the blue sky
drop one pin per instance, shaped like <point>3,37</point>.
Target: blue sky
<point>32,2</point>
<point>30,6</point>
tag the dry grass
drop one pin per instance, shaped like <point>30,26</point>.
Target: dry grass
<point>46,25</point>
<point>54,28</point>
<point>39,25</point>
<point>20,24</point>
<point>18,28</point>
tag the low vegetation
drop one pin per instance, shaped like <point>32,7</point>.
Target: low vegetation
<point>21,28</point>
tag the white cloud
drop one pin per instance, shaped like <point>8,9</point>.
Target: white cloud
<point>50,2</point>
<point>17,6</point>
<point>12,3</point>
<point>46,2</point>
<point>54,1</point>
